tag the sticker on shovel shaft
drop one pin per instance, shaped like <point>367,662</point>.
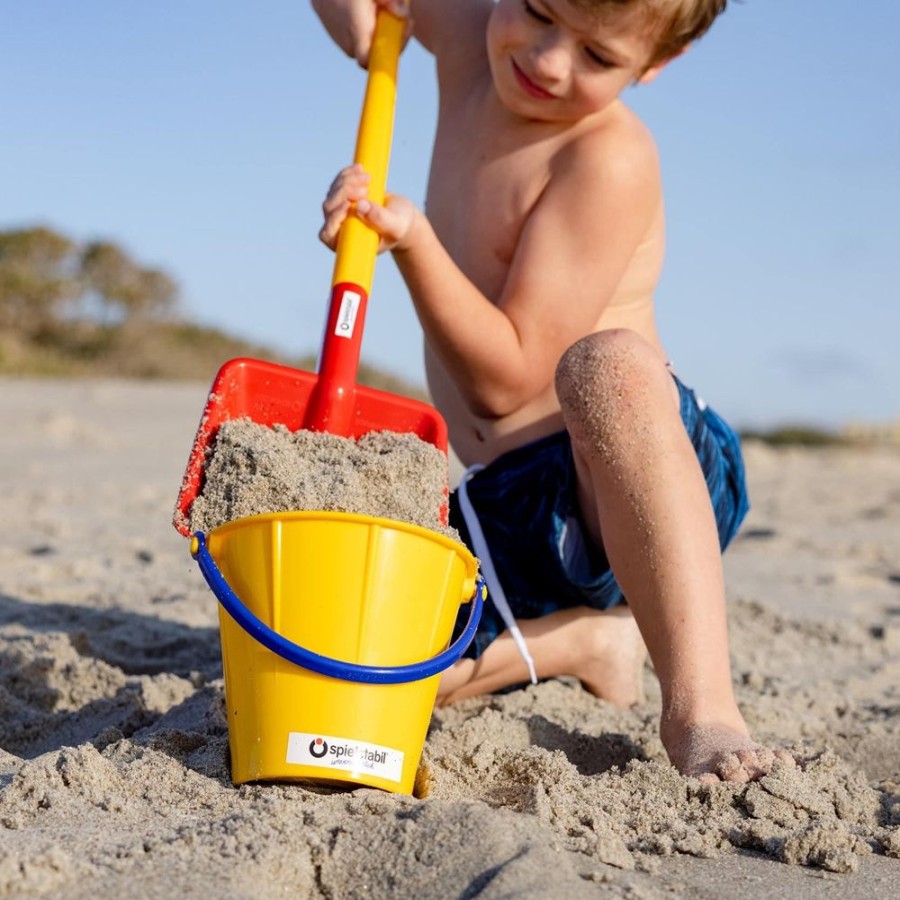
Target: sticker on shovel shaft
<point>328,752</point>
<point>346,320</point>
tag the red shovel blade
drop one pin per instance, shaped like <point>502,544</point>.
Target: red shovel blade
<point>270,394</point>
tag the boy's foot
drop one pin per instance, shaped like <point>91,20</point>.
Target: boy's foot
<point>613,654</point>
<point>716,753</point>
<point>604,650</point>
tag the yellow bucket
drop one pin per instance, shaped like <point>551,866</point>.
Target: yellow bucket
<point>332,628</point>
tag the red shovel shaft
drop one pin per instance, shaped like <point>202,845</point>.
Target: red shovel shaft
<point>333,400</point>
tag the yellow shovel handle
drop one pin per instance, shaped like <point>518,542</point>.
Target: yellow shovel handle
<point>357,243</point>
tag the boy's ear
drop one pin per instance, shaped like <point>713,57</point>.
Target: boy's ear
<point>653,71</point>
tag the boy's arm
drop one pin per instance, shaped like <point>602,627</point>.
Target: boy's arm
<point>574,249</point>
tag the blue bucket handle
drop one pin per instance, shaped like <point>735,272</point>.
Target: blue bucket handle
<point>325,665</point>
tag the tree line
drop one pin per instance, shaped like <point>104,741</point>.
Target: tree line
<point>92,308</point>
<point>48,280</point>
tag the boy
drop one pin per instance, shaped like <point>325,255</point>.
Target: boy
<point>597,475</point>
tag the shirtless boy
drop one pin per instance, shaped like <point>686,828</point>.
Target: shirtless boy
<point>532,270</point>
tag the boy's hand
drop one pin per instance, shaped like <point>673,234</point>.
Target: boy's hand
<point>394,221</point>
<point>352,22</point>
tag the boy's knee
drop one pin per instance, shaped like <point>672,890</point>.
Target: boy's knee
<point>608,368</point>
<point>607,383</point>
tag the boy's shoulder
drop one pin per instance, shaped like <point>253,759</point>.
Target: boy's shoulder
<point>615,148</point>
<point>604,186</point>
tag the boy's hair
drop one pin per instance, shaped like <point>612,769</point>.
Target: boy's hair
<point>674,23</point>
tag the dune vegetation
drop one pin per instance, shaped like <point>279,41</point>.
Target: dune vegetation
<point>90,309</point>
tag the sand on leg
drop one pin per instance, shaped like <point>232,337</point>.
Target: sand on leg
<point>643,495</point>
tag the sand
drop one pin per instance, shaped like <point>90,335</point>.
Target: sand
<point>113,738</point>
<point>254,469</point>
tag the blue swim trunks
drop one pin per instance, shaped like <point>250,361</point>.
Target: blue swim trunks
<point>527,508</point>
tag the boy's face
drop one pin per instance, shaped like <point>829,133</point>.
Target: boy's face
<point>556,62</point>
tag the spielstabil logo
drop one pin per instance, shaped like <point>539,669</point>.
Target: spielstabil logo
<point>339,753</point>
<point>346,318</point>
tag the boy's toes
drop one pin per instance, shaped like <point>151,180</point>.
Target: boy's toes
<point>751,764</point>
<point>765,759</point>
<point>734,769</point>
<point>757,761</point>
<point>709,780</point>
<point>717,753</point>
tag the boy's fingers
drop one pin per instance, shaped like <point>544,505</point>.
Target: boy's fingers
<point>330,230</point>
<point>348,173</point>
<point>375,215</point>
<point>326,236</point>
<point>333,205</point>
<point>350,184</point>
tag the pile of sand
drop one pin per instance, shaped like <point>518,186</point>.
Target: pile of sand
<point>255,469</point>
<point>114,775</point>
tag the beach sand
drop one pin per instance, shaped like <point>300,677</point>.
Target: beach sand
<point>114,773</point>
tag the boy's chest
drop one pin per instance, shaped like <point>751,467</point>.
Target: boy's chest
<point>483,186</point>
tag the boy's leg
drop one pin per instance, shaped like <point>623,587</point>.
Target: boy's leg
<point>643,494</point>
<point>602,649</point>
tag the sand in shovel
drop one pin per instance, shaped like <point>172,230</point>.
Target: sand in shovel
<point>255,469</point>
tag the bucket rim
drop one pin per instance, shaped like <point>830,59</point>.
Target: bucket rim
<point>355,518</point>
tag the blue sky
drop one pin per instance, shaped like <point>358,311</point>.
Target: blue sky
<point>201,136</point>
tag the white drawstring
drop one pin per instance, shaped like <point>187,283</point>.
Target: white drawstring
<point>495,590</point>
